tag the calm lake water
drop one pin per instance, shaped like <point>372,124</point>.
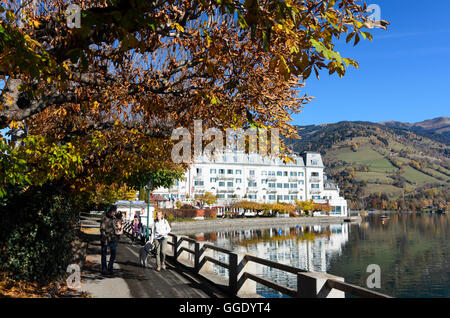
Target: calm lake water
<point>412,250</point>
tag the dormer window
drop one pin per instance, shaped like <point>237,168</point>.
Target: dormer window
<point>314,162</point>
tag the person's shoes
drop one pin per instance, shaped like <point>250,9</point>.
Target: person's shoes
<point>163,266</point>
<point>158,268</point>
<point>110,273</point>
<point>104,273</point>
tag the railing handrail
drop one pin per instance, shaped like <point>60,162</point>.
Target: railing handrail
<point>354,290</point>
<point>266,262</point>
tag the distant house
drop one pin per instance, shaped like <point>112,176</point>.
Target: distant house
<point>160,200</point>
<point>135,208</point>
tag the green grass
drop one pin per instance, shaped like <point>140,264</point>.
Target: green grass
<point>372,177</point>
<point>438,174</point>
<point>366,156</point>
<point>383,188</point>
<point>418,177</point>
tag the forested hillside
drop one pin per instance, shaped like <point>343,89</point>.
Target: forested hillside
<point>381,166</point>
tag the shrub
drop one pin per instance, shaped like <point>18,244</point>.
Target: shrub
<point>36,235</point>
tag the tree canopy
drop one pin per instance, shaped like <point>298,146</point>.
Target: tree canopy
<point>99,102</point>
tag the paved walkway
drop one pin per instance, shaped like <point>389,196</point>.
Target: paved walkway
<point>131,280</point>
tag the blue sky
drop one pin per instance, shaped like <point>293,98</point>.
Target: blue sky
<point>403,75</point>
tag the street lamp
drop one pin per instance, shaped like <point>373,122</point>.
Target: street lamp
<point>149,188</point>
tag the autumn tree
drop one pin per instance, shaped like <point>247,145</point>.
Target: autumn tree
<point>93,106</point>
<point>206,198</point>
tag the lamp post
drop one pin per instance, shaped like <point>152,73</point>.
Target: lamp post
<point>148,187</point>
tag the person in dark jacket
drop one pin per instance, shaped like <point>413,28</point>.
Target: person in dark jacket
<point>108,238</point>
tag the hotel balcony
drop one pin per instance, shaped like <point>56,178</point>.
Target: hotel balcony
<point>271,191</point>
<point>314,179</point>
<point>271,178</point>
<point>251,178</point>
<point>252,190</point>
<point>198,177</point>
<point>315,191</point>
<point>224,177</point>
<point>293,191</point>
<point>293,179</point>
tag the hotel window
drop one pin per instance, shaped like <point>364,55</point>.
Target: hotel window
<point>279,185</point>
<point>286,198</point>
<point>230,184</point>
<point>271,185</point>
<point>315,186</point>
<point>221,171</point>
<point>264,173</point>
<point>293,173</point>
<point>224,158</point>
<point>199,171</point>
<point>235,159</point>
<point>221,183</point>
<point>230,171</point>
<point>252,172</point>
<point>301,174</point>
<point>198,183</point>
<point>314,162</point>
<point>252,196</point>
<point>285,173</point>
<point>221,196</point>
<point>238,171</point>
<point>301,182</point>
<point>238,180</point>
<point>300,197</point>
<point>279,173</point>
<point>229,196</point>
<point>212,180</point>
<point>293,185</point>
<point>316,197</point>
<point>271,197</point>
<point>293,197</point>
<point>286,185</point>
<point>279,197</point>
<point>314,174</point>
<point>212,171</point>
<point>252,184</point>
<point>263,181</point>
<point>271,173</point>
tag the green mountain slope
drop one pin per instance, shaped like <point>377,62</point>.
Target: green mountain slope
<point>371,160</point>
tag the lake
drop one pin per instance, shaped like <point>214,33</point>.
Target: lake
<point>412,250</point>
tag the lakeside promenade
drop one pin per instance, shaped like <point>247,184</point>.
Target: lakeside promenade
<point>190,274</point>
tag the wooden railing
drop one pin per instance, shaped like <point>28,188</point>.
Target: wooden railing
<point>241,276</point>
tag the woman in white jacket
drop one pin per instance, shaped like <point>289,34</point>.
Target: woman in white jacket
<point>160,234</point>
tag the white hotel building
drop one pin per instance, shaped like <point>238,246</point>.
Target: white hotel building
<point>236,176</point>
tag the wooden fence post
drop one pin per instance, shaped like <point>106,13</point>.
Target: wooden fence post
<point>175,248</point>
<point>197,257</point>
<point>233,274</point>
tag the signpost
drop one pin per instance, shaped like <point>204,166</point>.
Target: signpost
<point>148,187</point>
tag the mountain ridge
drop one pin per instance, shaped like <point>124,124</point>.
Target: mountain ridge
<point>379,161</point>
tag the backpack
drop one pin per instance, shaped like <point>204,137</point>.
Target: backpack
<point>118,227</point>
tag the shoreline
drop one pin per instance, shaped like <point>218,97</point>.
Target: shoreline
<point>245,224</point>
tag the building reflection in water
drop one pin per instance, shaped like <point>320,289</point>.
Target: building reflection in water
<point>306,247</point>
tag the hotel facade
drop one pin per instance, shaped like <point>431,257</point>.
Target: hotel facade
<point>235,176</point>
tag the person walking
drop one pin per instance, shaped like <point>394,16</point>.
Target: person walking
<point>160,234</point>
<point>108,238</point>
<point>118,223</point>
<point>135,229</point>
